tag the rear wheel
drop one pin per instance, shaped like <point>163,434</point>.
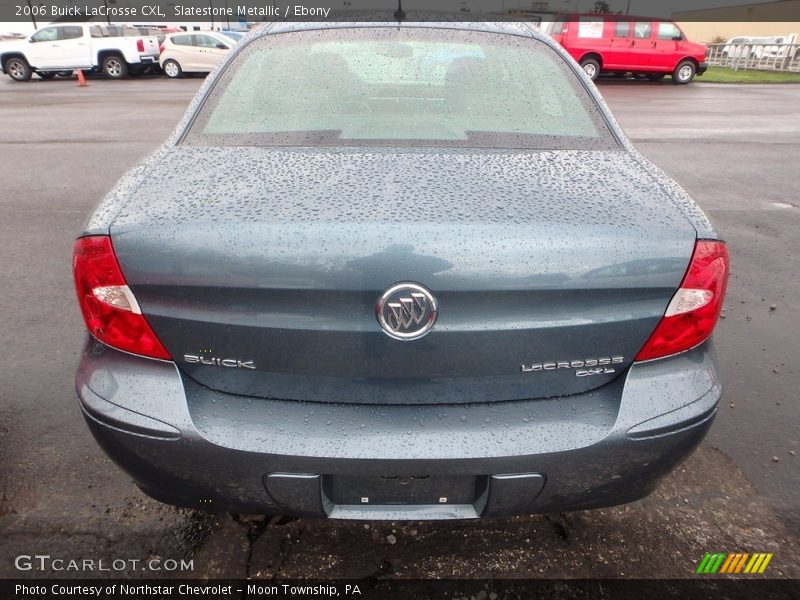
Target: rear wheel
<point>172,69</point>
<point>591,67</point>
<point>115,66</point>
<point>684,72</point>
<point>656,76</point>
<point>18,69</point>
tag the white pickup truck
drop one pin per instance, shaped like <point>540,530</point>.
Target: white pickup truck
<point>59,48</point>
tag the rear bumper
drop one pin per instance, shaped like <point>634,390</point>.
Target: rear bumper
<point>187,445</point>
<point>702,68</point>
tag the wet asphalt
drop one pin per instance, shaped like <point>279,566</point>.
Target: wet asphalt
<point>734,148</point>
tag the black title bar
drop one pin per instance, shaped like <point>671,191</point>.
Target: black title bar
<point>216,11</point>
<point>708,588</point>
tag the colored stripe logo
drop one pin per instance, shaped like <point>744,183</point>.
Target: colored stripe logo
<point>737,562</point>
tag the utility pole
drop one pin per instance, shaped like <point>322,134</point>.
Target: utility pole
<point>35,26</point>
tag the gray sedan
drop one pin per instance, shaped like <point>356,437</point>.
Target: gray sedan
<point>398,271</point>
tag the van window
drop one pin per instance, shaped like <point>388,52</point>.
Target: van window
<point>556,27</point>
<point>668,31</point>
<point>622,28</point>
<point>642,29</point>
<point>589,27</point>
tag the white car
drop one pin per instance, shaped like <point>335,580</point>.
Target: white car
<point>70,46</point>
<point>193,52</point>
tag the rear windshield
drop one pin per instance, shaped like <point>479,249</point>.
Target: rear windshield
<point>399,86</point>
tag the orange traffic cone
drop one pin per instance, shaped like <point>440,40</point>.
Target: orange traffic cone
<point>81,78</point>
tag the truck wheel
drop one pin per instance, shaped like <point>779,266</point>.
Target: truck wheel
<point>591,67</point>
<point>18,69</point>
<point>115,66</point>
<point>684,72</point>
<point>172,69</point>
<point>46,74</point>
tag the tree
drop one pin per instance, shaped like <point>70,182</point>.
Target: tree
<point>601,7</point>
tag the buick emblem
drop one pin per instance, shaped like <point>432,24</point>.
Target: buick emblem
<point>406,311</point>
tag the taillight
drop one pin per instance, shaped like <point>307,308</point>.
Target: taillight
<point>140,45</point>
<point>109,308</point>
<point>694,309</point>
<point>161,49</point>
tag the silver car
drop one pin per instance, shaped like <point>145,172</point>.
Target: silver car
<point>398,271</point>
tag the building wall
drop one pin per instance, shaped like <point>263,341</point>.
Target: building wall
<point>762,19</point>
<point>705,32</point>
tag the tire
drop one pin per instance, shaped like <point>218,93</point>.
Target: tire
<point>172,69</point>
<point>656,76</point>
<point>46,74</point>
<point>684,72</point>
<point>18,69</point>
<point>115,67</point>
<point>591,67</point>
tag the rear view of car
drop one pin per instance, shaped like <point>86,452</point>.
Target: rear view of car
<point>194,52</point>
<point>441,284</point>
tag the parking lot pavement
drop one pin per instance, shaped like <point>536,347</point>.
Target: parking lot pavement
<point>734,148</point>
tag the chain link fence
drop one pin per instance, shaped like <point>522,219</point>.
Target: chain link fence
<point>750,55</point>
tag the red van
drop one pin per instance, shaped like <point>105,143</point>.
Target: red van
<point>621,44</point>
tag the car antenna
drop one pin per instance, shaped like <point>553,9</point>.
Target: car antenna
<point>399,14</point>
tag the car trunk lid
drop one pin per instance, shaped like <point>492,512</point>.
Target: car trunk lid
<point>259,269</point>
